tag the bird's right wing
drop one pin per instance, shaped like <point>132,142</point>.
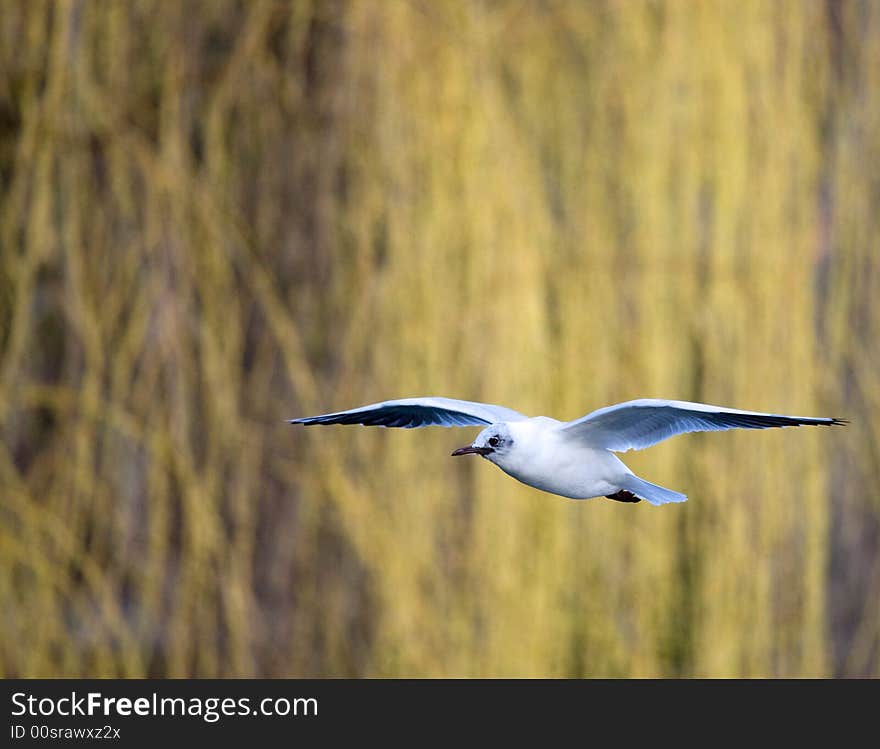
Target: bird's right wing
<point>637,424</point>
<point>409,413</point>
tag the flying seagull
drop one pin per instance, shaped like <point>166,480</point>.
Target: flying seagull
<point>571,458</point>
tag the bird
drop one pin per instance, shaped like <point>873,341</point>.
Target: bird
<point>574,459</point>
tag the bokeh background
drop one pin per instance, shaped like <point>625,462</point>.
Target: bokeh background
<point>219,214</point>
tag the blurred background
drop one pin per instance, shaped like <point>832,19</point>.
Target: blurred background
<point>216,215</point>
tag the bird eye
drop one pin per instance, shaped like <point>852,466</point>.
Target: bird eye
<point>493,441</point>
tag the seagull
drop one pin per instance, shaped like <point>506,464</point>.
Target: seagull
<point>574,459</point>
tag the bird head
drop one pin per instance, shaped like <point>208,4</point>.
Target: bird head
<point>493,442</point>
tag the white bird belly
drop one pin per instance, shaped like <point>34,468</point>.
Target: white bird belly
<point>573,472</point>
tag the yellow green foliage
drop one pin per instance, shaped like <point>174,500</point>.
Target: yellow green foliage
<point>216,215</point>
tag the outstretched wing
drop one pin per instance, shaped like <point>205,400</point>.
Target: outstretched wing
<point>409,413</point>
<point>637,424</point>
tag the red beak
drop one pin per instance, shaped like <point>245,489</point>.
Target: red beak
<point>471,450</point>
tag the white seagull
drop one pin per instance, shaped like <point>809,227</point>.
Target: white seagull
<point>571,458</point>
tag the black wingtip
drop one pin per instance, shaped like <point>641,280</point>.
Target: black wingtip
<point>838,422</point>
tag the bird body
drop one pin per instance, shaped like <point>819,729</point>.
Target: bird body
<point>542,458</point>
<point>574,459</point>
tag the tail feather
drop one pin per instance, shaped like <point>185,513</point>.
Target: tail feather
<point>656,495</point>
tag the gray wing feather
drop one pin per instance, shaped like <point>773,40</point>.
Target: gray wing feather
<point>410,413</point>
<point>638,424</point>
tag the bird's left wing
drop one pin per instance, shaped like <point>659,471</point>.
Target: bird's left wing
<point>409,413</point>
<point>637,424</point>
